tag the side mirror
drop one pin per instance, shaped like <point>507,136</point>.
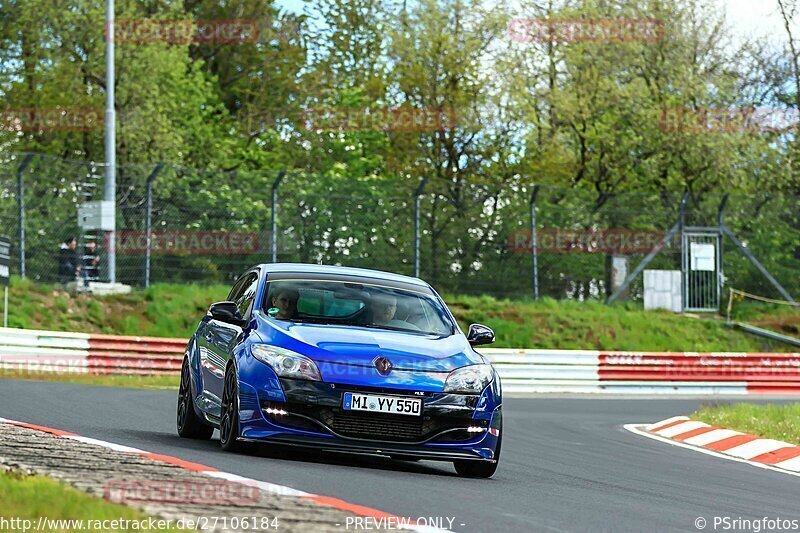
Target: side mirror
<point>226,312</point>
<point>480,334</point>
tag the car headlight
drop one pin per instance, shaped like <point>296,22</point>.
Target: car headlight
<point>286,363</point>
<point>469,379</point>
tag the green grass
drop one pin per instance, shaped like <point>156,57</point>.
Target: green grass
<point>568,324</point>
<point>163,310</point>
<point>31,497</point>
<point>131,382</point>
<point>779,422</point>
<point>779,318</point>
<point>173,310</point>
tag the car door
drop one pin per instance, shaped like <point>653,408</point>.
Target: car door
<point>209,361</point>
<point>222,337</point>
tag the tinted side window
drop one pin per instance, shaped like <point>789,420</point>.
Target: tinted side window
<point>244,300</point>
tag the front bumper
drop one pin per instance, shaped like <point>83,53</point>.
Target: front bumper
<point>306,413</point>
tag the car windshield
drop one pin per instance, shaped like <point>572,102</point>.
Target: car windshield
<point>356,304</point>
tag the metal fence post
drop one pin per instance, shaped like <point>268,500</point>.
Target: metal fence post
<point>21,211</point>
<point>148,217</point>
<point>275,186</point>
<point>720,264</point>
<point>534,245</point>
<point>417,195</point>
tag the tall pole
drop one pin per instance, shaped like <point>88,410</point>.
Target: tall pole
<point>110,189</point>
<point>534,244</point>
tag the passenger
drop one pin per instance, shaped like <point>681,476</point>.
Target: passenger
<point>383,307</point>
<point>284,299</point>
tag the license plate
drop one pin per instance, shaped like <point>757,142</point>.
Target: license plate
<point>395,405</point>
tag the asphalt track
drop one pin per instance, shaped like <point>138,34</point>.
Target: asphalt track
<point>567,465</point>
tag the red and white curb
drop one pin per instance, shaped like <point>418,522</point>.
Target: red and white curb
<point>379,518</point>
<point>725,443</point>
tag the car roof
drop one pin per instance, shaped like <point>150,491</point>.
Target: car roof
<point>307,268</point>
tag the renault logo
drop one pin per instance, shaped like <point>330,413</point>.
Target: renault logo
<point>383,365</point>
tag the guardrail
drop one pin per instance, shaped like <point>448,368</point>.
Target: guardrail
<point>614,372</point>
<point>28,350</point>
<point>522,371</point>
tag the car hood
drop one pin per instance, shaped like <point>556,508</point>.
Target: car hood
<point>350,345</point>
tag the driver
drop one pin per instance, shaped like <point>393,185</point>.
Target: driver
<point>285,300</point>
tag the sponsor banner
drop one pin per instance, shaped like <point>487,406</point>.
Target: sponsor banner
<point>564,241</point>
<point>50,119</point>
<point>545,30</point>
<point>186,242</point>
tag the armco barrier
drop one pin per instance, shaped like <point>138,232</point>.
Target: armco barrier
<point>27,350</point>
<point>522,371</point>
<point>595,371</point>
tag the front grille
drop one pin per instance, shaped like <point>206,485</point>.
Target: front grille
<point>371,426</point>
<point>375,426</point>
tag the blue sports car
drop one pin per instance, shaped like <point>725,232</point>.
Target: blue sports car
<point>342,359</point>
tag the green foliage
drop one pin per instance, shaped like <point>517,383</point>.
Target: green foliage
<point>779,422</point>
<point>572,325</point>
<point>587,117</point>
<point>173,310</point>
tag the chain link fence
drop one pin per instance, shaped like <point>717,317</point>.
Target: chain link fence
<point>475,238</point>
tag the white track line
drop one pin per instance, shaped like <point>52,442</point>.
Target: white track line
<point>263,485</point>
<point>640,429</point>
<point>104,444</point>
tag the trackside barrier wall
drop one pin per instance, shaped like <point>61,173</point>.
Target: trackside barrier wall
<point>27,350</point>
<point>596,371</point>
<point>522,371</point>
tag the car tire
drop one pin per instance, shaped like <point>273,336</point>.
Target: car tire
<point>190,426</point>
<point>229,419</point>
<point>479,469</point>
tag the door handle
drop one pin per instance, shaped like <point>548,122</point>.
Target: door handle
<point>208,337</point>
